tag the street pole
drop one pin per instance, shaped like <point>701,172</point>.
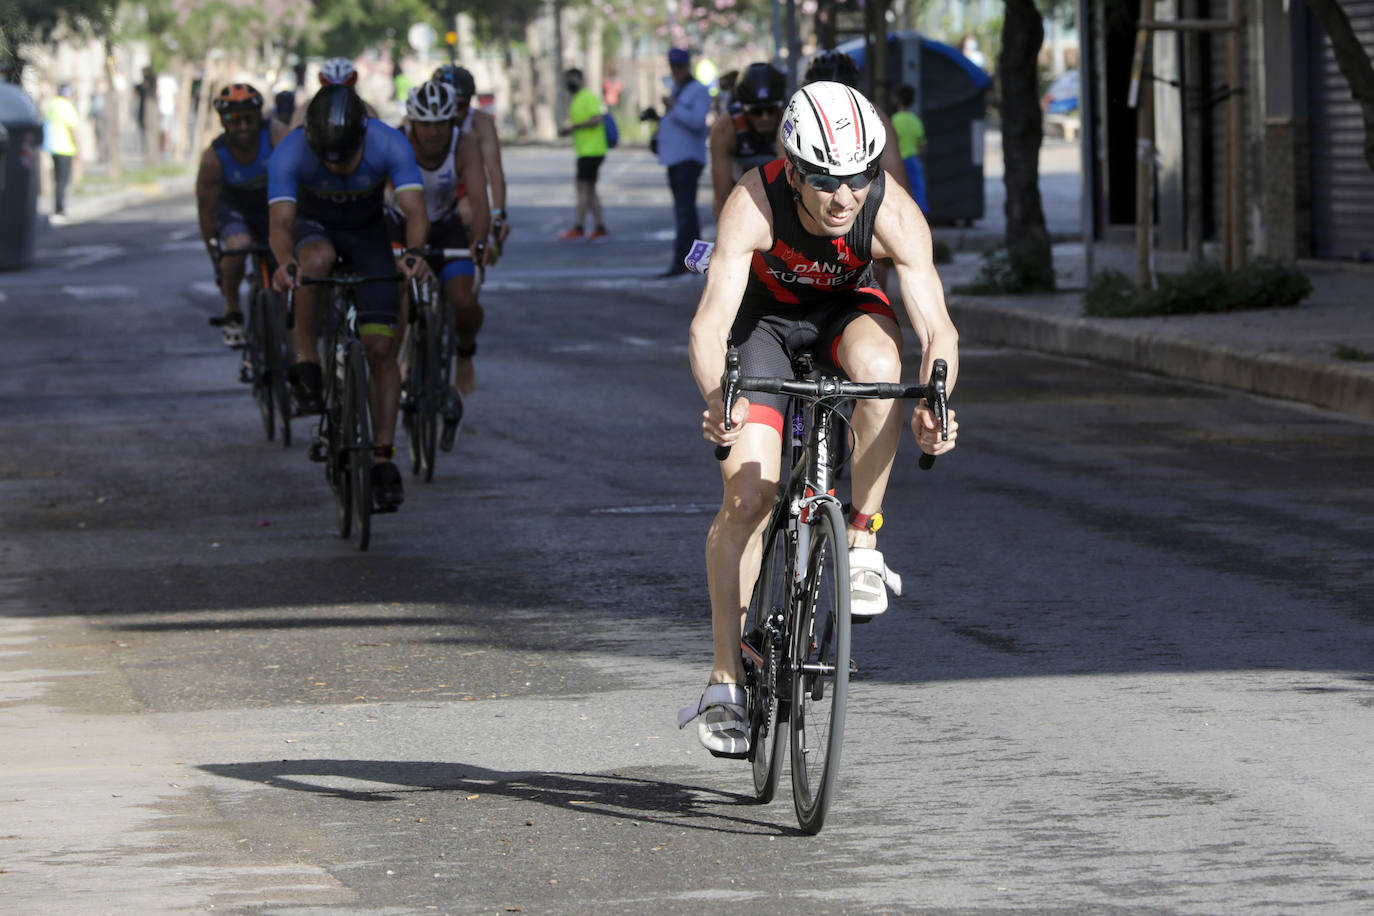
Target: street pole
<point>1142,94</point>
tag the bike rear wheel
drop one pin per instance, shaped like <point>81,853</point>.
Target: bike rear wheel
<point>413,360</point>
<point>820,669</point>
<point>763,650</point>
<point>357,433</point>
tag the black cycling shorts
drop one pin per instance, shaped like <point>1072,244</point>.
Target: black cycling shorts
<point>588,167</point>
<point>368,252</point>
<point>767,340</point>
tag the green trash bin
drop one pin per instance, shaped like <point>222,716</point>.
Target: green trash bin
<point>19,167</point>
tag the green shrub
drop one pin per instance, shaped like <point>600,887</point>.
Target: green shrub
<point>1204,287</point>
<point>1006,272</point>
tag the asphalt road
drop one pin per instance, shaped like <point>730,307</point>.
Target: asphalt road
<point>1132,673</point>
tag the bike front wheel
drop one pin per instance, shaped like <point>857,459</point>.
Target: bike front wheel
<point>762,647</point>
<point>259,356</point>
<point>820,668</point>
<point>358,439</point>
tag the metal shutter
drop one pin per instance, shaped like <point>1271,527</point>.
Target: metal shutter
<point>1342,181</point>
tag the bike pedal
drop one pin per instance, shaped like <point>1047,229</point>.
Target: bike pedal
<point>318,452</point>
<point>743,756</point>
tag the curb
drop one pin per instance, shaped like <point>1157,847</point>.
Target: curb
<point>1335,387</point>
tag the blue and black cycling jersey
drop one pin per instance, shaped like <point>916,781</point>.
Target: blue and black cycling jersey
<point>245,185</point>
<point>353,201</point>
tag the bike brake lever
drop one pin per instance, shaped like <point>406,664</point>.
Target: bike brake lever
<point>936,401</point>
<point>729,392</point>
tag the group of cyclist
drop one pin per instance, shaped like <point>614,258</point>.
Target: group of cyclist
<point>337,182</point>
<point>806,207</point>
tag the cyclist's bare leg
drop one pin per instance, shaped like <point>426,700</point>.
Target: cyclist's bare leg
<point>870,351</point>
<point>231,271</point>
<point>386,385</point>
<point>316,258</point>
<point>461,293</point>
<point>734,547</point>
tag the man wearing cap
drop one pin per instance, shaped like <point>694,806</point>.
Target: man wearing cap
<point>682,136</point>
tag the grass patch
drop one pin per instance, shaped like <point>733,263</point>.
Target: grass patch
<point>1005,272</point>
<point>141,175</point>
<point>1203,287</point>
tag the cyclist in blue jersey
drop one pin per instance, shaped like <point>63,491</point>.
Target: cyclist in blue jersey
<point>326,190</point>
<point>231,192</point>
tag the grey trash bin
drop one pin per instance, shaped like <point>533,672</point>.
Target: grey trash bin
<point>19,177</point>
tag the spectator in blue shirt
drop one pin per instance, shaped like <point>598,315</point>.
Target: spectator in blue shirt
<point>682,136</point>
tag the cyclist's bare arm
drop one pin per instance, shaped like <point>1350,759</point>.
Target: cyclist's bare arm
<point>209,181</point>
<point>467,161</point>
<point>281,215</point>
<point>411,201</point>
<point>745,226</point>
<point>484,125</point>
<point>900,232</point>
<point>722,144</point>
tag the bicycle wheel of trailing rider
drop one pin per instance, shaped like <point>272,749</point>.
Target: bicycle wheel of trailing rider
<point>763,653</point>
<point>820,669</point>
<point>427,417</point>
<point>278,358</point>
<point>259,355</point>
<point>357,433</point>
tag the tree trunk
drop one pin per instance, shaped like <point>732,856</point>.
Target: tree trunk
<point>1027,238</point>
<point>1353,61</point>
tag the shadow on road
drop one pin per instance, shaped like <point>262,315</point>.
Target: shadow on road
<point>620,797</point>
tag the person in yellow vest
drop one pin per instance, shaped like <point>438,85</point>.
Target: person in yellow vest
<point>588,131</point>
<point>60,122</point>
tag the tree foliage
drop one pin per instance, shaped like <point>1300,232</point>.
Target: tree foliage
<point>23,21</point>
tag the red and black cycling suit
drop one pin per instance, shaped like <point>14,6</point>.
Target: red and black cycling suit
<point>803,292</point>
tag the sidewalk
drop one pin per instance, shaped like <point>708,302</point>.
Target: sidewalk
<point>1289,353</point>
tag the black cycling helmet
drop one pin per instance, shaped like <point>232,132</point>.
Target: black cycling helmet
<point>833,66</point>
<point>335,123</point>
<point>457,77</point>
<point>761,86</point>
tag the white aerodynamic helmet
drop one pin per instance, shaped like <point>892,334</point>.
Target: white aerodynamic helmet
<point>338,71</point>
<point>831,129</point>
<point>432,101</point>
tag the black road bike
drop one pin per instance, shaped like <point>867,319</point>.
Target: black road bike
<point>795,642</point>
<point>427,358</point>
<point>344,439</point>
<point>266,352</point>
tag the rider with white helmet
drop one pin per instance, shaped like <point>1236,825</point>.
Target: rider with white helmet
<point>336,71</point>
<point>450,161</point>
<point>792,270</point>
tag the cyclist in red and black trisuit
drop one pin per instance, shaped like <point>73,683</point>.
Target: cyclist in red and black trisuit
<point>792,269</point>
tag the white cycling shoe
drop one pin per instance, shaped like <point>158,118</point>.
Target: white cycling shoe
<point>724,726</point>
<point>869,580</point>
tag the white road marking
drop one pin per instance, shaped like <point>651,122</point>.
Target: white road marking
<point>104,291</point>
<point>85,255</point>
<point>187,245</point>
<point>205,288</point>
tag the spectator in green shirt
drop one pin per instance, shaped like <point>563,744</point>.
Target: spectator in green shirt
<point>589,143</point>
<point>59,140</point>
<point>911,143</point>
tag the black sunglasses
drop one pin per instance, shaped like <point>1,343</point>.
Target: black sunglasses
<point>762,109</point>
<point>831,183</point>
